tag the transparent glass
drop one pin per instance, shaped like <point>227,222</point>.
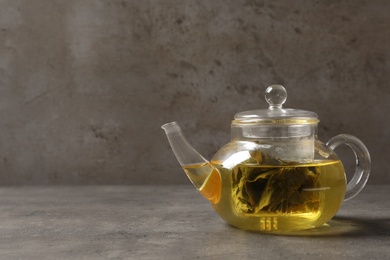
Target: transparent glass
<point>274,175</point>
<point>203,175</point>
<point>363,162</point>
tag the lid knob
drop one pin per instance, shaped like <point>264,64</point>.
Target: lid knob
<point>275,95</point>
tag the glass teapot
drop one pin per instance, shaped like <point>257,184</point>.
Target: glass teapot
<point>274,175</point>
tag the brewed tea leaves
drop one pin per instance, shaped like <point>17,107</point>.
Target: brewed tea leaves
<point>280,189</point>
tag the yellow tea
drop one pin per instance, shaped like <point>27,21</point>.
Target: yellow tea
<point>279,198</point>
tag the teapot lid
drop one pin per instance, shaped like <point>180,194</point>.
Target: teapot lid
<point>276,95</point>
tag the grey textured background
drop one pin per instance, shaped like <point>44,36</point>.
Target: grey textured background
<point>85,85</point>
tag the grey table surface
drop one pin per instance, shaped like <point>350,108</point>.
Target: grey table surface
<point>173,222</point>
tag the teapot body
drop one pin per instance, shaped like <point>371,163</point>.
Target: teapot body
<point>267,193</point>
<point>274,175</point>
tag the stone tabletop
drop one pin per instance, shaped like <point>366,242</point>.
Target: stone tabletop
<point>173,222</point>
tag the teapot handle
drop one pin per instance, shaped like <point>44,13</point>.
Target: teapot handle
<point>363,162</point>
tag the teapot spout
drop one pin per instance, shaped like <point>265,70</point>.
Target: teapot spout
<point>205,176</point>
